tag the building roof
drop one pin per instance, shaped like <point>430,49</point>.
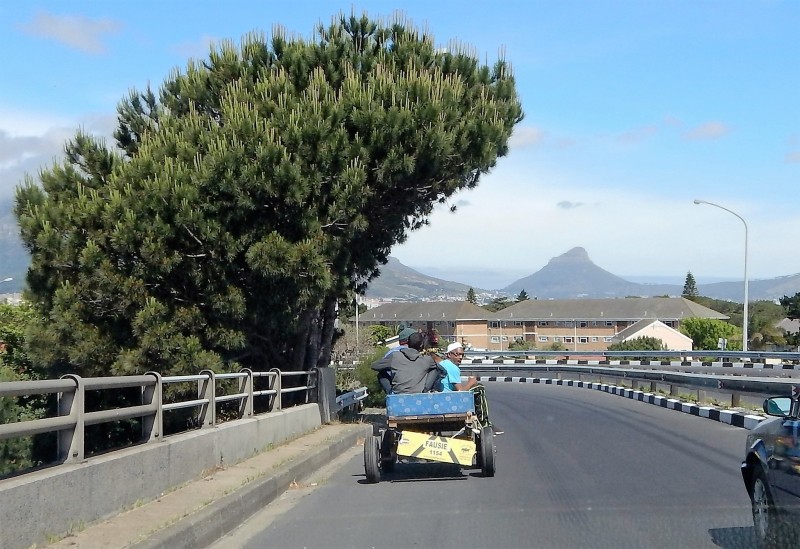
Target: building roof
<point>788,325</point>
<point>425,311</point>
<point>635,330</point>
<point>633,308</point>
<point>628,309</point>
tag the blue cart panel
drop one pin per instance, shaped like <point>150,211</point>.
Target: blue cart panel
<point>430,404</point>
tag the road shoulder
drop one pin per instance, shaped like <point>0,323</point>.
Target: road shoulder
<point>200,512</point>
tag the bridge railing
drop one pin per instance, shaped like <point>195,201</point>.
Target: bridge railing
<point>698,378</point>
<point>351,399</point>
<point>744,378</point>
<point>682,356</point>
<point>72,416</point>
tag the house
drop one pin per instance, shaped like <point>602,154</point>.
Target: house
<point>573,324</point>
<point>789,326</point>
<point>672,339</point>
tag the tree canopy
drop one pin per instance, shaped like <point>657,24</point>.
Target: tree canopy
<point>254,191</point>
<point>705,333</point>
<point>792,306</point>
<point>643,343</point>
<point>498,304</point>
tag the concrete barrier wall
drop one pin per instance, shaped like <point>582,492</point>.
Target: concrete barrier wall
<point>64,498</point>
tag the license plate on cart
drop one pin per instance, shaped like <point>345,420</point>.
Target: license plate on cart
<point>446,450</point>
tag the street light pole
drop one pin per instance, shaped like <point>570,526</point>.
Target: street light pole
<point>744,314</point>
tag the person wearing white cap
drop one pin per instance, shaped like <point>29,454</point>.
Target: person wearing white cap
<point>452,382</point>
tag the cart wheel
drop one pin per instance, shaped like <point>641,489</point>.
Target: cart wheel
<point>486,454</point>
<point>388,451</point>
<point>372,456</point>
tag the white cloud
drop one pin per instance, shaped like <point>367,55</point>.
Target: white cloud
<point>198,49</point>
<point>525,136</point>
<point>30,141</point>
<point>78,32</point>
<point>637,135</point>
<point>709,130</point>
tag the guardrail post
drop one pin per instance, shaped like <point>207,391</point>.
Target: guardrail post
<point>312,382</point>
<point>153,425</point>
<point>276,386</point>
<point>736,400</point>
<point>207,389</point>
<point>326,394</point>
<point>701,396</point>
<point>246,386</point>
<point>673,390</point>
<point>70,441</point>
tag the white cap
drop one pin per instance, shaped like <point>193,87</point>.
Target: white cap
<point>453,346</point>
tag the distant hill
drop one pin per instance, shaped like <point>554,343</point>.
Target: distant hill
<point>572,275</point>
<point>766,289</point>
<point>399,281</point>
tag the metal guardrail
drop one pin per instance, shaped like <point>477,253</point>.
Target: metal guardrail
<point>72,417</point>
<point>684,356</point>
<point>737,373</point>
<point>696,376</point>
<point>352,398</point>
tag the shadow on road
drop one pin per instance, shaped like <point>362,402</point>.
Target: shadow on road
<point>421,472</point>
<point>741,537</point>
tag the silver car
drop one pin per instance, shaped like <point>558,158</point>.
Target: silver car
<point>771,473</point>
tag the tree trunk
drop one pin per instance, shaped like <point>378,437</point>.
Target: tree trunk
<point>312,351</point>
<point>328,321</point>
<point>300,340</point>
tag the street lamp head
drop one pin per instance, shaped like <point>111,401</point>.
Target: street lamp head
<point>698,201</point>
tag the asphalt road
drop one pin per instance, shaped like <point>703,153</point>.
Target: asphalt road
<point>575,468</point>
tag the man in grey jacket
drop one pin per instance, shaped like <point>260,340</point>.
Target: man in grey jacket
<point>412,371</point>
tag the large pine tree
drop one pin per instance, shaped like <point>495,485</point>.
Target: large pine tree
<point>258,188</point>
<point>690,286</point>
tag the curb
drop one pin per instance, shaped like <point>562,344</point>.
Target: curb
<point>730,417</point>
<point>588,362</point>
<point>215,520</point>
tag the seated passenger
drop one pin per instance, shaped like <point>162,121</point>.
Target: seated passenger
<point>385,373</point>
<point>412,372</point>
<point>452,382</point>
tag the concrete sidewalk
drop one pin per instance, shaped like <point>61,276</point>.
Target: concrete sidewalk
<point>202,511</point>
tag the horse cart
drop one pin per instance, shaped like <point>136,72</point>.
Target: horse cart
<point>439,427</point>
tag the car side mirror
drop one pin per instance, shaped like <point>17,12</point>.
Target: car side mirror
<point>778,406</point>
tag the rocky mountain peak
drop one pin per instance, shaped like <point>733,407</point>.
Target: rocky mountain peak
<point>575,255</point>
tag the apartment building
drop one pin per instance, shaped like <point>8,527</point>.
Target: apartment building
<point>573,324</point>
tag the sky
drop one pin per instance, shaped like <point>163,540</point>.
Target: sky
<point>633,109</point>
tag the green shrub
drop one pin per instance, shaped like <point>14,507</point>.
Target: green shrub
<point>367,377</point>
<point>16,454</point>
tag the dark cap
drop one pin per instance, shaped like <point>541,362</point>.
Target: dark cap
<point>406,333</point>
<point>416,341</point>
